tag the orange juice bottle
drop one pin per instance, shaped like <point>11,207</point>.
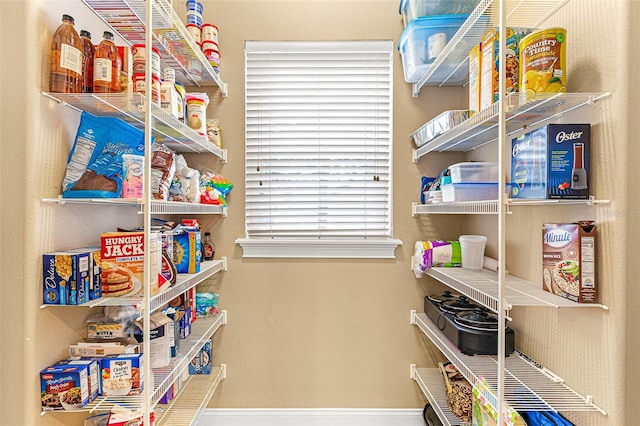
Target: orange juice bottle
<point>65,66</point>
<point>106,66</point>
<point>88,50</point>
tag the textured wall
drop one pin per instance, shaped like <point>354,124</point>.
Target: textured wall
<point>321,333</point>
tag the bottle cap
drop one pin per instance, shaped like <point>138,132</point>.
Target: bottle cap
<point>108,35</point>
<point>68,18</point>
<point>85,33</point>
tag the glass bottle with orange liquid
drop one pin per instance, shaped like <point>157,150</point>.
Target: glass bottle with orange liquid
<point>88,50</point>
<point>107,65</point>
<point>65,66</point>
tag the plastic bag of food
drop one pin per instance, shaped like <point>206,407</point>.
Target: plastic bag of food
<point>163,168</point>
<point>185,185</point>
<point>94,166</point>
<point>214,188</point>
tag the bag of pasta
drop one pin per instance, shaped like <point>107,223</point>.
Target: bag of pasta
<point>459,396</point>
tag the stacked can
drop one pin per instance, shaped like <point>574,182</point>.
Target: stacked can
<point>138,52</point>
<point>194,12</point>
<point>210,48</point>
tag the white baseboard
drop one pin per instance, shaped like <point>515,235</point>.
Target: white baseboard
<point>310,417</point>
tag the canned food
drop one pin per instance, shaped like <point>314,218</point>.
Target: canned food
<point>138,51</point>
<point>543,63</point>
<point>195,32</point>
<point>194,5</point>
<point>194,18</point>
<point>209,45</point>
<point>209,32</point>
<point>139,86</point>
<point>197,112</point>
<point>213,56</point>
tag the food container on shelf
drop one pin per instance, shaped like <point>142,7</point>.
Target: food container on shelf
<point>438,126</point>
<point>474,191</point>
<point>411,9</point>
<point>474,172</point>
<point>422,41</point>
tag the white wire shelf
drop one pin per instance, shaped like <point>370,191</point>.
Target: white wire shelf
<point>482,286</point>
<point>451,66</point>
<point>184,283</point>
<point>188,406</point>
<point>163,378</point>
<point>157,207</point>
<point>177,48</point>
<point>431,384</point>
<point>462,207</point>
<point>527,387</point>
<point>530,112</point>
<point>129,107</point>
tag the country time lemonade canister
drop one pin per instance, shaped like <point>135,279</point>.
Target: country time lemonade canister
<point>543,62</point>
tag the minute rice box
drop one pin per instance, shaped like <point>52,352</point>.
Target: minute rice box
<point>569,260</point>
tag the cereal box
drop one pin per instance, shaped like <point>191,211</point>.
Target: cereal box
<point>65,278</point>
<point>201,362</point>
<point>551,162</point>
<point>93,365</point>
<point>490,63</point>
<point>64,387</point>
<point>569,260</point>
<point>186,252</point>
<point>122,261</point>
<point>475,59</point>
<point>122,375</point>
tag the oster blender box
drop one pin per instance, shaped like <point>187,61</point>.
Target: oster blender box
<point>551,162</point>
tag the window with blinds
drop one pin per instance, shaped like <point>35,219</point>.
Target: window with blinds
<point>318,135</point>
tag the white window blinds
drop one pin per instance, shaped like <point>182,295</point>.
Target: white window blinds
<point>318,140</point>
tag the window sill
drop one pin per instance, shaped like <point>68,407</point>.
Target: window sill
<point>319,249</point>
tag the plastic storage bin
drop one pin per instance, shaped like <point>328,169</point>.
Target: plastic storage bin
<point>423,39</point>
<point>474,172</point>
<point>412,9</point>
<point>477,191</point>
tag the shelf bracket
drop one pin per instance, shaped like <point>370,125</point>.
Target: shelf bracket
<point>414,209</point>
<point>412,371</point>
<point>412,320</point>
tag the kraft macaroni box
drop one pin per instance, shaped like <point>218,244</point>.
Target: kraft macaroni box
<point>551,162</point>
<point>490,63</point>
<point>65,278</point>
<point>186,252</point>
<point>569,260</point>
<point>64,387</point>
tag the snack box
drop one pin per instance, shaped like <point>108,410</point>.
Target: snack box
<point>93,366</point>
<point>122,374</point>
<point>64,387</point>
<point>201,363</point>
<point>65,277</point>
<point>475,63</point>
<point>490,62</point>
<point>551,162</point>
<point>186,252</point>
<point>569,260</point>
<point>122,260</point>
<point>95,291</point>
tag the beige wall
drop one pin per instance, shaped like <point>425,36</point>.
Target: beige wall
<point>309,333</point>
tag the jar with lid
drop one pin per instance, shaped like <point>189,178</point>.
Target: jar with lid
<point>208,248</point>
<point>88,50</point>
<point>65,66</point>
<point>107,65</point>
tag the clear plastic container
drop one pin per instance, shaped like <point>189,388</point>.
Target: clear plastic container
<point>412,9</point>
<point>474,172</point>
<point>422,41</point>
<point>478,191</point>
<point>472,251</point>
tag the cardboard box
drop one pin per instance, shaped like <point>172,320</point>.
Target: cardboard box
<point>186,252</point>
<point>475,63</point>
<point>569,260</point>
<point>95,291</point>
<point>551,162</point>
<point>108,331</point>
<point>489,80</point>
<point>122,255</point>
<point>185,324</point>
<point>160,336</point>
<point>65,277</point>
<point>85,349</point>
<point>64,387</point>
<point>201,363</point>
<point>93,371</point>
<point>484,413</point>
<point>122,375</point>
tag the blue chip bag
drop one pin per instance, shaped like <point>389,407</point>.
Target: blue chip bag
<point>94,167</point>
